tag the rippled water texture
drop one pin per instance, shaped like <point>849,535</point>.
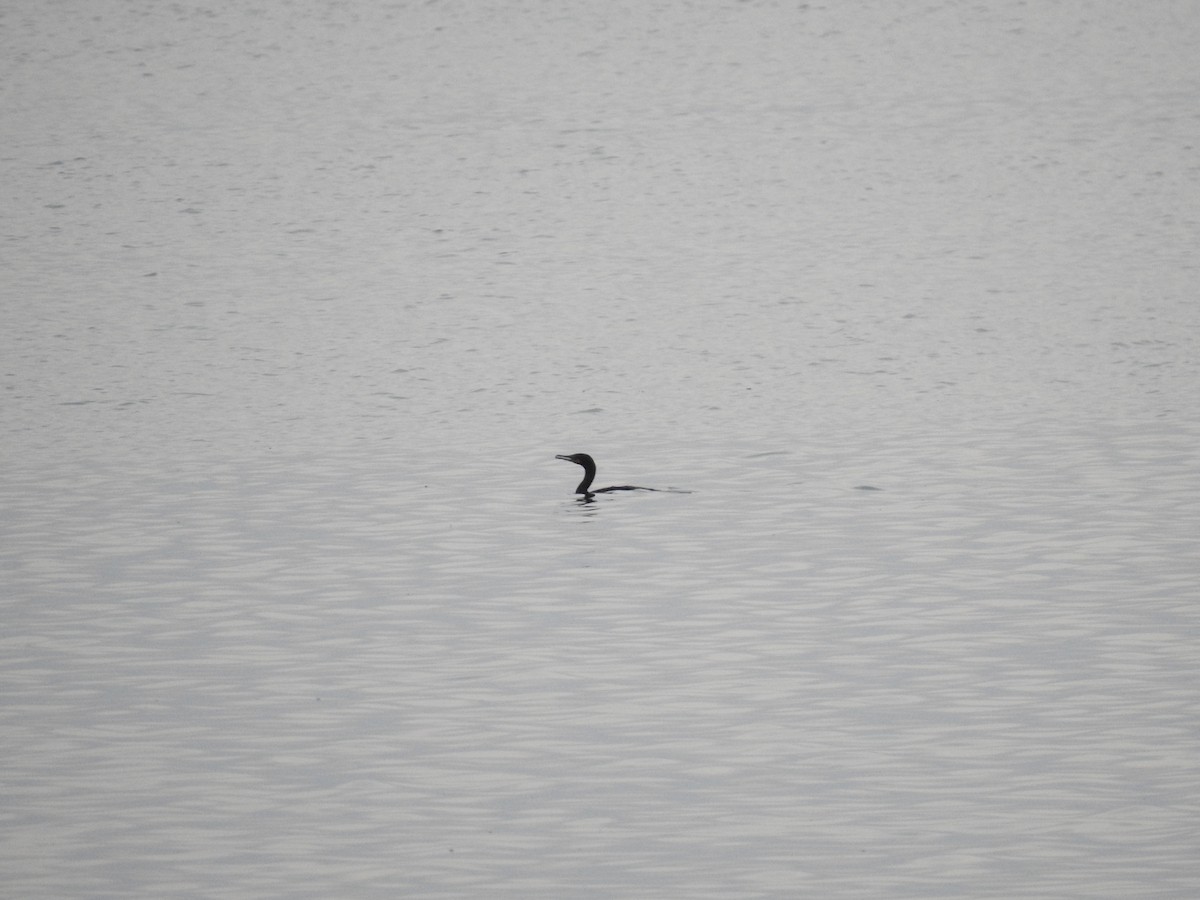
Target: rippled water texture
<point>301,300</point>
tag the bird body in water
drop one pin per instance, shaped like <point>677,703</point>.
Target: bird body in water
<point>589,474</point>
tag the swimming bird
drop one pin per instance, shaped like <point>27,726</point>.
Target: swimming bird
<point>589,473</point>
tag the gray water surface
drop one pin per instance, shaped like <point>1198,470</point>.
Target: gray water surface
<point>301,301</point>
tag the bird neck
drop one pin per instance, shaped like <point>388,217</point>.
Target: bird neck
<point>589,474</point>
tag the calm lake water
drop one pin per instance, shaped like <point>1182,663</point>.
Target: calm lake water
<point>302,299</point>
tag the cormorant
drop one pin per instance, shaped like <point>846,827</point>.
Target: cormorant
<point>589,472</point>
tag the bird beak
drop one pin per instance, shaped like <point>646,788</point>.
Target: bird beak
<point>560,456</point>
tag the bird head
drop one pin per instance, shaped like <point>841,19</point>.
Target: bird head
<point>580,459</point>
